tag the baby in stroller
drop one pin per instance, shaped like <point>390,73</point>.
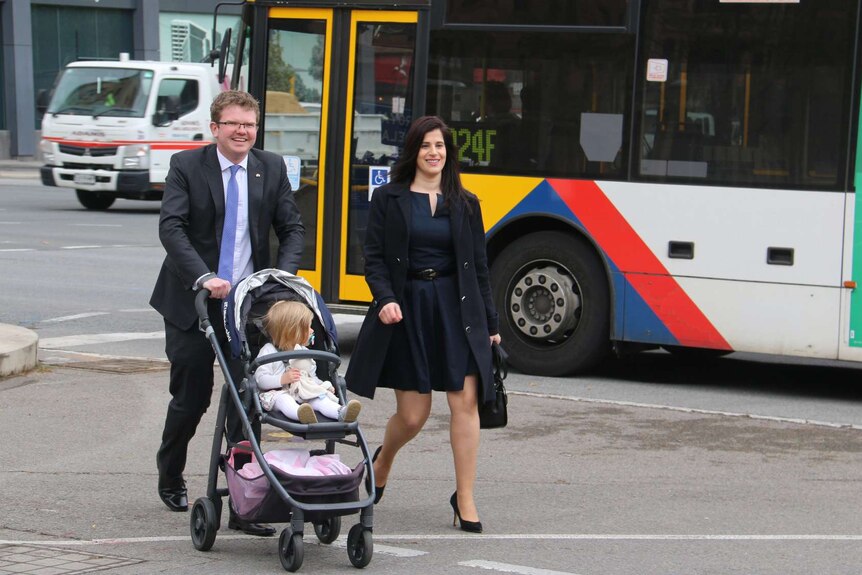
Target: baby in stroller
<point>282,485</point>
<point>293,387</point>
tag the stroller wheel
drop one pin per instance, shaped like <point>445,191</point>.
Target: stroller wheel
<point>290,549</point>
<point>359,546</point>
<point>203,524</point>
<point>327,530</point>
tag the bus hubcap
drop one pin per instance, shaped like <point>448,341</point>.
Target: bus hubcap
<point>543,304</point>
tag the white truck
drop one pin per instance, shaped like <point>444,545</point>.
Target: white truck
<point>111,128</point>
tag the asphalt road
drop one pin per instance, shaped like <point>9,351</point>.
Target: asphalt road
<point>647,466</point>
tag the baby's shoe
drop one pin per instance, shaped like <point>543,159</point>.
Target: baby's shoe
<point>350,412</point>
<point>306,414</point>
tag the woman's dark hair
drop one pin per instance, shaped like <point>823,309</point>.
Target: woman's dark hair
<point>404,169</point>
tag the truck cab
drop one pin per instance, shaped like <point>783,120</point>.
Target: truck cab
<point>110,128</point>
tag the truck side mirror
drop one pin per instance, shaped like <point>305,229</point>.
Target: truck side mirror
<point>43,98</point>
<point>222,58</point>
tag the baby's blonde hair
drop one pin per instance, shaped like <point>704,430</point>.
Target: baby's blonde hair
<point>287,324</point>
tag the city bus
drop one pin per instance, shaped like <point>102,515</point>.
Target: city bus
<point>653,173</point>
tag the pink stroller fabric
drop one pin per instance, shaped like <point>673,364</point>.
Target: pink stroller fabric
<point>298,462</point>
<point>302,474</point>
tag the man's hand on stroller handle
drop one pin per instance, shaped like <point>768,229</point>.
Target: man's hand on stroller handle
<point>218,288</point>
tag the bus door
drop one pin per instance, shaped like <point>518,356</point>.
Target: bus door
<point>338,95</point>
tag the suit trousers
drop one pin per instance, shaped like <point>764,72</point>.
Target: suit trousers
<point>191,385</point>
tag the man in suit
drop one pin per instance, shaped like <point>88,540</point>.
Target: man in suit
<point>219,204</point>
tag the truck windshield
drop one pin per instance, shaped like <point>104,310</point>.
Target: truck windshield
<point>102,92</point>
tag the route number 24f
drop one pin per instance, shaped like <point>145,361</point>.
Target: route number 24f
<point>475,145</point>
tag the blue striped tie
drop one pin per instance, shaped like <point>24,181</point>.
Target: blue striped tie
<point>228,234</point>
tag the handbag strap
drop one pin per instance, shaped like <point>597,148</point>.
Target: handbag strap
<point>499,360</point>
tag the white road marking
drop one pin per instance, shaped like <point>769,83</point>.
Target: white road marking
<point>138,310</point>
<point>11,223</point>
<point>76,316</point>
<point>345,318</point>
<point>340,543</point>
<point>691,410</point>
<point>484,538</point>
<point>96,338</point>
<point>506,568</point>
<point>78,247</point>
<point>624,537</point>
<point>17,250</point>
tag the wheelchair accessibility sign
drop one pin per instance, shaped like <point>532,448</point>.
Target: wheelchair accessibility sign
<point>377,176</point>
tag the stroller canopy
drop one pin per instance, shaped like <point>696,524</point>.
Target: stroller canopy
<point>270,284</point>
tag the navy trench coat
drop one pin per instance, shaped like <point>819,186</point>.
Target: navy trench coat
<point>387,243</point>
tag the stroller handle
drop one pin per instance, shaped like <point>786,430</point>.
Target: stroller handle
<point>201,308</point>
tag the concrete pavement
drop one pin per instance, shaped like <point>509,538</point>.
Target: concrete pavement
<point>569,487</point>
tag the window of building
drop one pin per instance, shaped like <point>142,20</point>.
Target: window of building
<point>188,37</point>
<point>64,34</point>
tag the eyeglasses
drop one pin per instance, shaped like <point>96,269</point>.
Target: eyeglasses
<point>237,125</point>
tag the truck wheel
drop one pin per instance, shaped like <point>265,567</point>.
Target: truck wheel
<point>95,200</point>
<point>552,294</point>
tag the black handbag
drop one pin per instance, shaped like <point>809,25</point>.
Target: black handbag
<point>495,413</point>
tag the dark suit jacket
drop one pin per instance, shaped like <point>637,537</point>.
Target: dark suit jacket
<point>387,243</point>
<point>192,216</point>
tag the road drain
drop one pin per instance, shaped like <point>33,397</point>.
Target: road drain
<point>33,559</point>
<point>117,365</point>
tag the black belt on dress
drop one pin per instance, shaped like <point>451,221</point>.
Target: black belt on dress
<point>428,274</point>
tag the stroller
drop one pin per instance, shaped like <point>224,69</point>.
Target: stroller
<point>270,493</point>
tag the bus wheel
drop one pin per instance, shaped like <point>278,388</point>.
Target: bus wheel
<point>551,292</point>
<point>95,200</point>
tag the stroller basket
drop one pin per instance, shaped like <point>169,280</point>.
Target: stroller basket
<point>254,499</point>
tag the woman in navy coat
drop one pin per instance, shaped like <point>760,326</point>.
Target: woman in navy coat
<point>432,321</point>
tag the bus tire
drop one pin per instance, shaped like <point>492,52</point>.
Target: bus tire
<point>95,200</point>
<point>551,293</point>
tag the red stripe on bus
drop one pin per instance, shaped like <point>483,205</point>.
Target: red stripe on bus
<point>674,308</point>
<point>676,311</point>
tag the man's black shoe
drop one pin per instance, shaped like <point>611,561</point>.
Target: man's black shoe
<point>259,529</point>
<point>176,498</point>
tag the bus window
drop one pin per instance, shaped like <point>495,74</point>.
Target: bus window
<point>528,103</point>
<point>770,108</point>
<point>382,97</point>
<point>544,13</point>
<point>294,85</point>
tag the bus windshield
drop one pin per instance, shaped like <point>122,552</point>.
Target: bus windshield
<point>102,92</point>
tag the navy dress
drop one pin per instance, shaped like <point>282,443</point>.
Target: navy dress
<point>429,350</point>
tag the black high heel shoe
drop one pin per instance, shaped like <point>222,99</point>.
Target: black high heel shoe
<point>379,495</point>
<point>471,526</point>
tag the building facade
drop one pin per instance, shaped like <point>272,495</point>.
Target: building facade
<point>39,37</point>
